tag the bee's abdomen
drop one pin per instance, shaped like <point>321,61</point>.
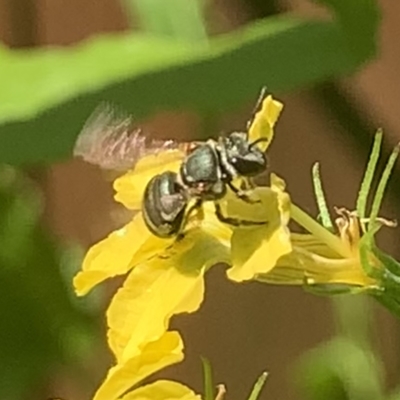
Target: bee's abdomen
<point>164,205</point>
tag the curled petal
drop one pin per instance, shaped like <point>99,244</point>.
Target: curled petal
<point>212,226</point>
<point>162,390</point>
<point>264,121</point>
<point>154,356</point>
<point>256,249</point>
<point>170,284</point>
<point>117,254</point>
<point>130,186</point>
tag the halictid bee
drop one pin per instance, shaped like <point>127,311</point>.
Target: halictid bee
<point>206,171</point>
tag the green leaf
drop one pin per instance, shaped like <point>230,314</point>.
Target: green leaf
<point>384,268</point>
<point>387,261</point>
<point>47,94</point>
<point>358,31</point>
<point>390,303</point>
<point>179,19</point>
<point>388,294</point>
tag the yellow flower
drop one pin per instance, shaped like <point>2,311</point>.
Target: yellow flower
<point>171,263</point>
<point>349,259</point>
<point>169,284</point>
<point>165,351</point>
<point>166,276</point>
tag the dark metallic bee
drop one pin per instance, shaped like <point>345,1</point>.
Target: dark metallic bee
<point>207,168</point>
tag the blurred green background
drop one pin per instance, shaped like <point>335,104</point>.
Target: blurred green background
<point>190,69</point>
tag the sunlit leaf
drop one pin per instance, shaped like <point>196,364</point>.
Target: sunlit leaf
<point>47,94</point>
<point>180,19</point>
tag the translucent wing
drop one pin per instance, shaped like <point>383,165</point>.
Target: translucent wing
<point>111,141</point>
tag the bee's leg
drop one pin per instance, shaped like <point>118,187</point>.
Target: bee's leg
<point>191,209</point>
<point>248,184</point>
<point>242,194</point>
<point>234,221</point>
<point>197,204</point>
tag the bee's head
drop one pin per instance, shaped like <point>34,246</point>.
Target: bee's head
<point>244,156</point>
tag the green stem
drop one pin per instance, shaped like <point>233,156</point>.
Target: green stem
<point>312,226</point>
<point>255,393</point>
<point>320,197</point>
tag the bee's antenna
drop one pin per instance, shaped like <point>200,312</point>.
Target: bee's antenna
<point>260,99</point>
<point>259,140</point>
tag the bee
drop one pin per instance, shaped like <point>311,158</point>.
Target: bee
<point>207,168</point>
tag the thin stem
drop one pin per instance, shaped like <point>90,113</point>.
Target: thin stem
<point>255,393</point>
<point>320,197</point>
<point>376,204</point>
<point>208,379</point>
<point>369,176</point>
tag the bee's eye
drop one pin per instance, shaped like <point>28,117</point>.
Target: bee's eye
<point>250,165</point>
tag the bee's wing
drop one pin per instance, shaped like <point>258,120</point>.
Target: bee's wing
<point>111,141</point>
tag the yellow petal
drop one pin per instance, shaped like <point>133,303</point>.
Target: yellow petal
<point>118,253</point>
<point>256,249</point>
<point>141,309</point>
<point>130,186</point>
<point>162,390</point>
<point>264,121</point>
<point>154,291</point>
<point>212,226</point>
<point>153,357</point>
